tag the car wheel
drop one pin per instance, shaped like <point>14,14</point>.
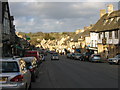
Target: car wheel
<point>34,78</point>
<point>30,87</point>
<point>26,88</point>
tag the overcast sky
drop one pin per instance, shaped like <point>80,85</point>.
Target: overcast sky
<point>56,16</point>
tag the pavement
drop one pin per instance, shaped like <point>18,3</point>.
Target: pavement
<point>68,73</point>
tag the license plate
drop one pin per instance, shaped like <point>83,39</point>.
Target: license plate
<point>3,79</point>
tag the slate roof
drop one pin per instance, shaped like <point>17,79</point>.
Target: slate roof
<point>108,22</point>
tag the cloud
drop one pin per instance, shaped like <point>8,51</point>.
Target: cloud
<point>54,16</point>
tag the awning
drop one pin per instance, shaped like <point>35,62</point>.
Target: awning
<point>93,49</point>
<point>18,47</point>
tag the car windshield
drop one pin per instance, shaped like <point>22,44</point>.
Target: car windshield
<point>9,67</point>
<point>96,55</point>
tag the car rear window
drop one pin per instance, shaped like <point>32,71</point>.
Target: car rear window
<point>78,54</point>
<point>55,55</point>
<point>96,55</point>
<point>9,67</point>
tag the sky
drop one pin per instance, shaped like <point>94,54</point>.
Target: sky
<point>56,16</point>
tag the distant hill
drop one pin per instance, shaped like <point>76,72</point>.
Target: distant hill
<point>52,36</point>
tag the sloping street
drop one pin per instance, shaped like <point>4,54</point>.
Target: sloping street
<point>68,73</point>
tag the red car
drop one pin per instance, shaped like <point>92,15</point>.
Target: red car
<point>33,54</point>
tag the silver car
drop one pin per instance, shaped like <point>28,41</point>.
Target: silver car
<point>77,56</point>
<point>95,58</point>
<point>115,60</point>
<point>14,74</point>
<point>54,57</point>
<point>68,55</point>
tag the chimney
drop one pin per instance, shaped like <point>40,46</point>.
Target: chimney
<point>102,12</point>
<point>110,8</point>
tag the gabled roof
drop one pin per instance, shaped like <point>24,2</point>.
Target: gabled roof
<point>107,22</point>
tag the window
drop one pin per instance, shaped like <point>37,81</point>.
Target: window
<point>99,35</point>
<point>95,43</point>
<point>6,23</point>
<point>116,34</point>
<point>110,35</point>
<point>103,34</point>
<point>105,21</point>
<point>92,43</point>
<point>110,20</point>
<point>117,19</point>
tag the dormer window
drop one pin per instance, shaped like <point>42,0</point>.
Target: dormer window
<point>117,19</point>
<point>105,21</point>
<point>110,20</point>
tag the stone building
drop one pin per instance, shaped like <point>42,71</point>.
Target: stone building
<point>7,29</point>
<point>108,29</point>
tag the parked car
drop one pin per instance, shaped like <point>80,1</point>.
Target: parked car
<point>68,55</point>
<point>14,74</point>
<point>86,56</point>
<point>115,60</point>
<point>43,51</point>
<point>95,58</point>
<point>72,55</point>
<point>32,65</point>
<point>78,56</point>
<point>52,52</point>
<point>33,53</point>
<point>54,57</point>
<point>42,57</point>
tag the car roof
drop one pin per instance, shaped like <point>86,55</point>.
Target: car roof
<point>28,59</point>
<point>10,59</point>
<point>95,54</point>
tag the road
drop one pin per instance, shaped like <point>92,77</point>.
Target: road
<point>68,73</point>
